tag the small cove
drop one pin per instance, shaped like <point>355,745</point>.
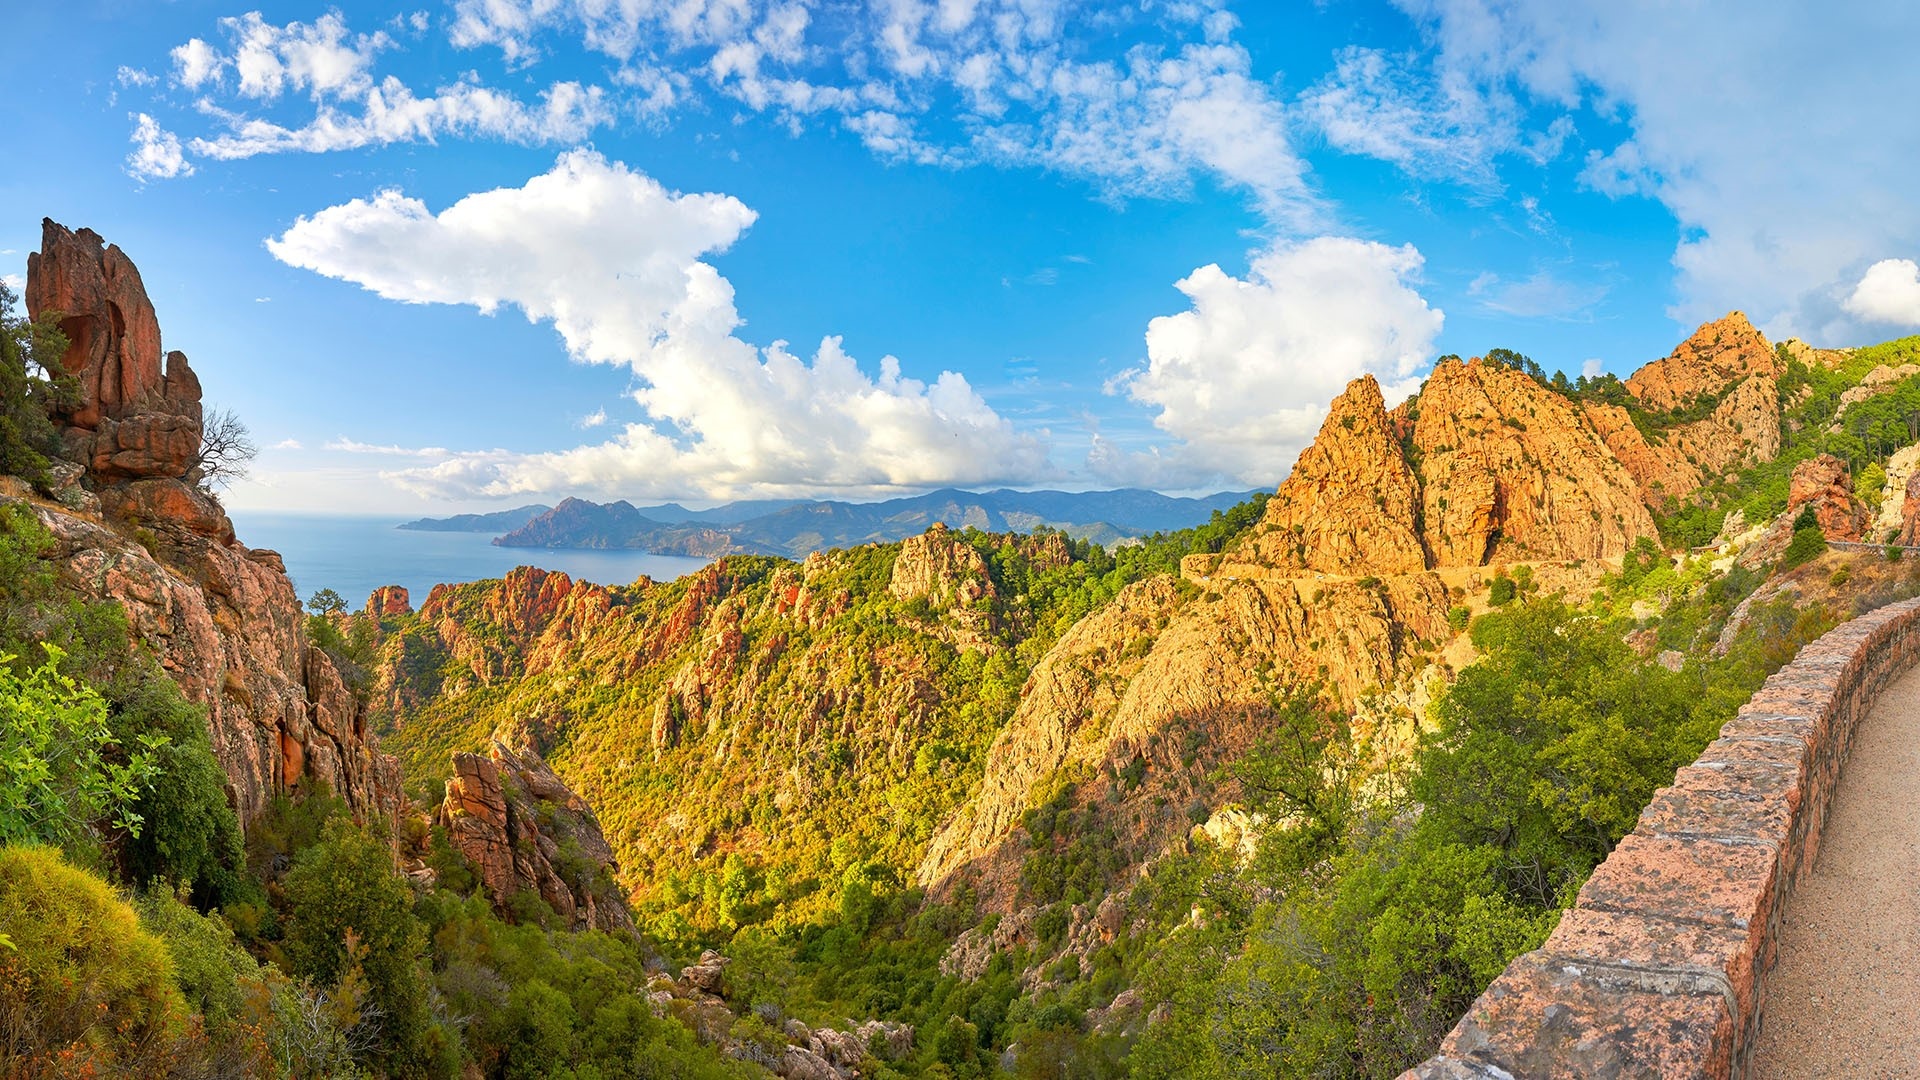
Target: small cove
<point>354,555</point>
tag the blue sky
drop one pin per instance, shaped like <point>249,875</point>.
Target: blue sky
<point>477,252</point>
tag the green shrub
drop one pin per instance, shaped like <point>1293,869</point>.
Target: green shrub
<point>343,890</point>
<point>82,975</point>
<point>210,968</point>
<point>58,780</point>
<point>1502,591</point>
<point>1458,617</point>
<point>189,835</point>
<point>1807,544</point>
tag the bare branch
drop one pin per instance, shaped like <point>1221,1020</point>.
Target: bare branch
<point>226,450</point>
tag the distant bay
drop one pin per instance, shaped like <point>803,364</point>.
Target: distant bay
<point>355,555</point>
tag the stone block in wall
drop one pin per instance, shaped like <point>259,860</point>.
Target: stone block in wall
<point>1665,954</point>
<point>1702,803</point>
<point>1707,881</point>
<point>1547,1017</point>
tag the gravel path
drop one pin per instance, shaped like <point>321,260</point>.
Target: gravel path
<point>1844,998</point>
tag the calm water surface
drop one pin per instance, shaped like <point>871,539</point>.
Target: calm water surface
<point>355,555</point>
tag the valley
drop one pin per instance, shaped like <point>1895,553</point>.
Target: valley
<point>1280,790</point>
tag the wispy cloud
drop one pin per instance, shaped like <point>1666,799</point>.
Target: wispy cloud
<point>354,446</point>
<point>1539,295</point>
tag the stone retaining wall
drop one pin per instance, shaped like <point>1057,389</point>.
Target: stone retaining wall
<point>1660,968</point>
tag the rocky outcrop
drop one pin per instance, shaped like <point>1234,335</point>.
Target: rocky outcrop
<point>1351,505</point>
<point>1895,501</point>
<point>1881,380</point>
<point>535,618</point>
<point>389,600</point>
<point>131,419</point>
<point>1486,465</point>
<point>1076,687</point>
<point>226,626</point>
<point>944,571</point>
<point>1719,355</point>
<point>133,529</point>
<point>1509,471</point>
<point>950,576</point>
<point>525,831</point>
<point>1812,357</point>
<point>1743,428</point>
<point>1826,484</point>
<point>1142,698</point>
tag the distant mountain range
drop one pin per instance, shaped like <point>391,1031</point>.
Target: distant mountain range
<point>497,522</point>
<point>794,528</point>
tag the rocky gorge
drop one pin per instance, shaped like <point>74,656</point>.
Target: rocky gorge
<point>923,804</point>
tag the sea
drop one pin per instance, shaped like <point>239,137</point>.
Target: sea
<point>355,555</point>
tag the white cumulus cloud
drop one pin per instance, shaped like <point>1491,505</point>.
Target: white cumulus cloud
<point>1784,174</point>
<point>615,262</point>
<point>156,153</point>
<point>1889,292</point>
<point>196,63</point>
<point>1242,378</point>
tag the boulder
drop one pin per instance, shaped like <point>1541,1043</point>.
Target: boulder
<point>707,974</point>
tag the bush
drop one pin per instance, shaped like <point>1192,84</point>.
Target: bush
<point>1894,551</point>
<point>1459,616</point>
<point>81,975</point>
<point>1807,544</point>
<point>58,781</point>
<point>344,891</point>
<point>211,970</point>
<point>189,834</point>
<point>1502,592</point>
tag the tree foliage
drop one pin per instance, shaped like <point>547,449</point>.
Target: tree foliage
<point>31,383</point>
<point>343,892</point>
<point>59,780</point>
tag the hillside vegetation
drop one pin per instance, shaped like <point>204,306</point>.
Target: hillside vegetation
<point>1275,795</point>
